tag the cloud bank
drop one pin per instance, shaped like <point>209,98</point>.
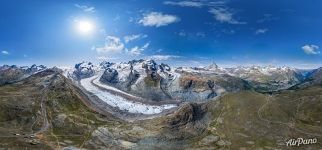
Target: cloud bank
<point>5,52</point>
<point>88,9</point>
<point>163,57</point>
<point>224,15</point>
<point>112,44</point>
<point>158,19</point>
<point>261,31</point>
<point>184,3</point>
<point>311,49</point>
<point>136,51</point>
<point>133,37</point>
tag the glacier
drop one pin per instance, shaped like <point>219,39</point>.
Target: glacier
<point>120,102</point>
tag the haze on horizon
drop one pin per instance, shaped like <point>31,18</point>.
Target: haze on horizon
<point>190,33</point>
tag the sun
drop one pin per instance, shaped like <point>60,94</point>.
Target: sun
<point>85,26</point>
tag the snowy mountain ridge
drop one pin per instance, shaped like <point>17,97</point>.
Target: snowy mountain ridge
<point>147,78</point>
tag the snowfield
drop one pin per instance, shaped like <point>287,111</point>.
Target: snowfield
<point>120,102</point>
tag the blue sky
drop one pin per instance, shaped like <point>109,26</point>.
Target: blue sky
<point>191,33</point>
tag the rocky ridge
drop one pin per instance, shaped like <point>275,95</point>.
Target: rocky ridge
<point>14,73</point>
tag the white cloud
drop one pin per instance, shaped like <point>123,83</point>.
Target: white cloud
<point>196,4</point>
<point>157,19</point>
<point>116,45</point>
<point>5,52</point>
<point>221,12</point>
<point>184,3</point>
<point>132,37</point>
<point>223,15</point>
<point>138,50</point>
<point>112,44</point>
<point>85,8</point>
<point>135,51</point>
<point>163,57</point>
<point>311,49</point>
<point>261,31</point>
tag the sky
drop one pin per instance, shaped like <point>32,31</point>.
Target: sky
<point>180,33</point>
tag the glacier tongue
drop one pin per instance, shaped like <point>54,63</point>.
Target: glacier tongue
<point>120,102</point>
<point>97,82</point>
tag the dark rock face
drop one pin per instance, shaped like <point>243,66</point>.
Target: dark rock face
<point>164,67</point>
<point>188,121</point>
<point>132,62</point>
<point>133,77</point>
<point>84,70</point>
<point>35,68</point>
<point>316,76</point>
<point>187,114</point>
<point>211,84</point>
<point>204,87</point>
<point>109,76</point>
<point>106,64</point>
<point>213,94</point>
<point>151,69</point>
<point>138,77</point>
<point>313,78</point>
<point>152,85</point>
<point>8,74</point>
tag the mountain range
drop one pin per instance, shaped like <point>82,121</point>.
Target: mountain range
<point>141,104</point>
<point>201,83</point>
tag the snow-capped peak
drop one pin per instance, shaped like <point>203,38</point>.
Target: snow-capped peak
<point>106,64</point>
<point>212,66</point>
<point>85,70</point>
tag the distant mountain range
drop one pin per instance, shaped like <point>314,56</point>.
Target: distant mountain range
<point>15,73</point>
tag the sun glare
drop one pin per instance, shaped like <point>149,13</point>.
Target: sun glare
<point>85,27</point>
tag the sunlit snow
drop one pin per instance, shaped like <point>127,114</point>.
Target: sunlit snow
<point>120,102</point>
